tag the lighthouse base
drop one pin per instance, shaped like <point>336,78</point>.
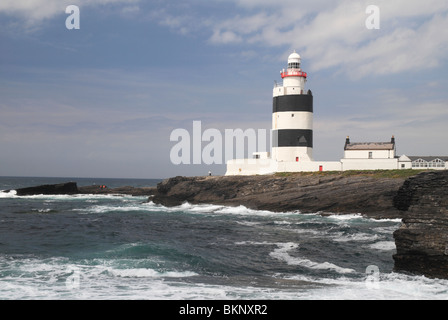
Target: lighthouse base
<point>270,166</point>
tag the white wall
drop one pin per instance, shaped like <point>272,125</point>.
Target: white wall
<point>294,85</point>
<point>310,166</point>
<point>283,154</point>
<point>364,154</point>
<point>244,167</point>
<point>407,164</point>
<point>369,164</point>
<point>278,91</point>
<point>292,120</point>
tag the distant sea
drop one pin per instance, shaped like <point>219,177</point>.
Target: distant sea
<point>124,247</point>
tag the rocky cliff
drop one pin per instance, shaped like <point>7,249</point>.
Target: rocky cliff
<point>329,193</point>
<point>422,240</point>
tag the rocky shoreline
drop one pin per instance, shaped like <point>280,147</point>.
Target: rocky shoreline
<point>326,194</point>
<point>420,201</point>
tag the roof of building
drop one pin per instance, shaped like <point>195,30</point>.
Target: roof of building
<point>370,146</point>
<point>428,158</point>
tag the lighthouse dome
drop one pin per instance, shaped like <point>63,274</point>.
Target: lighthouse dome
<point>294,57</point>
<point>294,60</point>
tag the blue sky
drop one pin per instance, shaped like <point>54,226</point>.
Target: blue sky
<point>102,101</point>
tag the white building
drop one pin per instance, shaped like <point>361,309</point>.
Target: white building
<point>292,138</point>
<point>424,162</point>
<point>369,155</point>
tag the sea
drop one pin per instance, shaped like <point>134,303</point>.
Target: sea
<point>119,247</point>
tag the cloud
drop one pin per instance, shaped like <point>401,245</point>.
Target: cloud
<point>225,37</point>
<point>411,37</point>
<point>33,12</point>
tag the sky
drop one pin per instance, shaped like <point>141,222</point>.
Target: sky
<point>103,100</point>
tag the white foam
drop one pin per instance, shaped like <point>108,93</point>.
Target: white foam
<point>9,194</point>
<point>102,209</point>
<point>383,245</point>
<point>149,273</point>
<point>215,209</point>
<point>43,210</point>
<point>346,216</point>
<point>46,279</point>
<point>65,197</point>
<point>281,253</point>
<point>355,237</point>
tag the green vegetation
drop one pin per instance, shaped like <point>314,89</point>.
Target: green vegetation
<point>403,173</point>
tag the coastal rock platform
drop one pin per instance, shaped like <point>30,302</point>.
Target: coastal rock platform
<point>327,194</point>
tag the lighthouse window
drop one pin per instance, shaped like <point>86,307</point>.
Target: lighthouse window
<point>294,65</point>
<point>292,115</point>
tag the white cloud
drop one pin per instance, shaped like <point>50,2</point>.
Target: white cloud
<point>412,36</point>
<point>33,12</point>
<point>225,37</point>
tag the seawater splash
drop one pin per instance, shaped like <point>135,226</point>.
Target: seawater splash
<point>9,194</point>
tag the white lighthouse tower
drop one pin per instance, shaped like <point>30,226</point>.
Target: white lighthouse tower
<point>292,115</point>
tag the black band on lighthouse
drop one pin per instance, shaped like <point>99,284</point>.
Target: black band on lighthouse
<point>293,102</point>
<point>292,138</point>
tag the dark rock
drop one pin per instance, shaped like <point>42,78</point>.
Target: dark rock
<point>72,188</point>
<point>133,191</point>
<point>422,240</point>
<point>61,188</point>
<point>334,193</point>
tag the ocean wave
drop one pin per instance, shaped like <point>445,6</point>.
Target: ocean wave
<point>360,236</point>
<point>149,273</point>
<point>385,286</point>
<point>281,253</point>
<point>218,209</point>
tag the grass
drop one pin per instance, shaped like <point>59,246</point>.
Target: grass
<point>403,173</point>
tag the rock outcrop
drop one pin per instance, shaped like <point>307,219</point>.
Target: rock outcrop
<point>72,188</point>
<point>127,190</point>
<point>61,188</point>
<point>422,240</point>
<point>329,193</point>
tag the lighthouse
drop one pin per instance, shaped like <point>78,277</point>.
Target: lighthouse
<point>292,138</point>
<point>292,115</point>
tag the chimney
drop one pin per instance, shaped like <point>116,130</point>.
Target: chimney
<point>392,140</point>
